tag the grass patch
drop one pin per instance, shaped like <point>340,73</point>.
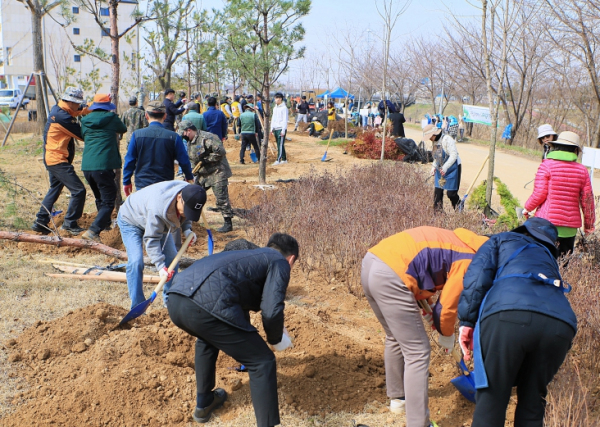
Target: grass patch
<point>335,142</point>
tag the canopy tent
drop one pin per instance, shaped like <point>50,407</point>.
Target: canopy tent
<point>324,94</point>
<point>340,93</point>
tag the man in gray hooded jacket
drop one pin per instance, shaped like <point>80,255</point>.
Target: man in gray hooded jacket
<point>148,219</point>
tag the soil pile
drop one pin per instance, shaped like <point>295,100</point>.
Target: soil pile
<point>81,372</point>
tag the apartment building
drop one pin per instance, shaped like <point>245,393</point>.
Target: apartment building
<point>63,63</point>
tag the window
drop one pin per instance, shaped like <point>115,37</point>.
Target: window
<point>105,32</point>
<point>75,10</point>
<point>76,31</point>
<point>104,11</point>
<point>77,58</point>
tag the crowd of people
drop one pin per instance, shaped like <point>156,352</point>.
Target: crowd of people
<point>489,284</point>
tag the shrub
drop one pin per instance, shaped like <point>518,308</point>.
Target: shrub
<point>367,145</point>
<point>508,219</point>
<point>338,217</point>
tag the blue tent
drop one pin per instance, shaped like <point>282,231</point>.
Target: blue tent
<point>324,94</point>
<point>340,93</point>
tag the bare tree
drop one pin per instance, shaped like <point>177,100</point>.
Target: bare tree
<point>389,14</point>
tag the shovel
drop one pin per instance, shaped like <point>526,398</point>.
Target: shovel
<point>461,204</point>
<point>253,156</point>
<point>465,383</point>
<point>324,158</point>
<point>211,243</point>
<point>141,308</point>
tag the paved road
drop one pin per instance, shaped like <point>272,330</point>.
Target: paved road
<point>513,170</point>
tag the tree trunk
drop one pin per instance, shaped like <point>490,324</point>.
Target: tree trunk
<point>38,66</point>
<point>115,65</point>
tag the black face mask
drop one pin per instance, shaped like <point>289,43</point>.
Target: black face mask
<point>186,138</point>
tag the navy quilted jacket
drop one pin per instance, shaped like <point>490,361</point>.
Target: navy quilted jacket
<point>229,284</point>
<point>512,293</point>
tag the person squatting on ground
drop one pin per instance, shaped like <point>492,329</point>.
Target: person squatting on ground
<point>152,153</point>
<point>216,122</point>
<point>211,301</point>
<point>100,130</point>
<point>302,113</point>
<point>400,270</point>
<point>211,167</point>
<point>562,187</point>
<point>515,317</point>
<point>279,122</point>
<point>446,167</point>
<point>315,128</point>
<point>147,220</point>
<point>134,118</point>
<point>172,108</point>
<point>59,151</point>
<point>250,127</point>
<point>545,136</point>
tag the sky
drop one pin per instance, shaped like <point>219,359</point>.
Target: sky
<point>329,18</point>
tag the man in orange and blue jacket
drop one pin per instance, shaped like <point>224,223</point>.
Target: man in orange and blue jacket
<point>60,133</point>
<point>396,273</point>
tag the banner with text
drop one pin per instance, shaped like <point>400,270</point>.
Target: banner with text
<point>475,114</point>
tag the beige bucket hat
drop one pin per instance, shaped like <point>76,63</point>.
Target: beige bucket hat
<point>568,138</point>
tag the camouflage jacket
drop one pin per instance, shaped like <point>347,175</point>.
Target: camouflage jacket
<point>206,149</point>
<point>134,119</point>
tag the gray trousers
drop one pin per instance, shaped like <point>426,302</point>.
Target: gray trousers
<point>407,346</point>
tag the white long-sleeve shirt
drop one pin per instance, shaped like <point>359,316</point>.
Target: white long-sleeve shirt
<point>449,146</point>
<point>279,120</point>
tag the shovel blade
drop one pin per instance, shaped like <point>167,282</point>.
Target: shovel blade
<point>211,242</point>
<point>465,386</point>
<point>253,157</point>
<point>138,310</point>
<point>324,157</point>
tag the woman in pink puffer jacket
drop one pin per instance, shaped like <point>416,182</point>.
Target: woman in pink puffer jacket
<point>562,187</point>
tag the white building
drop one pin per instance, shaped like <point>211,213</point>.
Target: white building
<point>64,65</point>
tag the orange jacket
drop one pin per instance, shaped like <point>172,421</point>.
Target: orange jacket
<point>61,128</point>
<point>429,259</point>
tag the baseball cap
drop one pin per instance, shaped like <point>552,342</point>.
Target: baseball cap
<point>185,125</point>
<point>156,107</point>
<point>133,100</point>
<point>102,102</point>
<point>194,198</point>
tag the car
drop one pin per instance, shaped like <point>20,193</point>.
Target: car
<point>11,97</point>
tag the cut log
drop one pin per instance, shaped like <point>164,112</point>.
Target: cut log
<point>17,236</point>
<point>107,276</point>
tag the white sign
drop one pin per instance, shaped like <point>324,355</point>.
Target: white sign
<point>475,114</point>
<point>591,157</point>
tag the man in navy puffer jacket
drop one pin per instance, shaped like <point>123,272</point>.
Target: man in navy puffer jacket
<point>211,300</point>
<point>514,296</point>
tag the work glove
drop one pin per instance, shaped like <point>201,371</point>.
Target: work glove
<point>186,233</point>
<point>127,189</point>
<point>165,273</point>
<point>185,107</point>
<point>428,318</point>
<point>465,340</point>
<point>525,214</point>
<point>446,342</point>
<point>285,342</point>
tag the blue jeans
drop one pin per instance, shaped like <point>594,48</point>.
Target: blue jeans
<point>133,239</point>
<point>365,121</point>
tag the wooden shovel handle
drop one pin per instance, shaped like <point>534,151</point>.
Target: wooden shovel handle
<point>478,173</point>
<point>329,142</point>
<point>174,262</point>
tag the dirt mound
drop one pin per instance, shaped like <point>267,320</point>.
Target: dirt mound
<point>81,372</point>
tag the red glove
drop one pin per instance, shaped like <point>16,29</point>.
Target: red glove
<point>127,190</point>
<point>164,272</point>
<point>465,339</point>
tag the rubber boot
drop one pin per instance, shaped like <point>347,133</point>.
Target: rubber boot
<point>227,226</point>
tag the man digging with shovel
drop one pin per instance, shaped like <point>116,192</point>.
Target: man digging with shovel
<point>396,273</point>
<point>211,301</point>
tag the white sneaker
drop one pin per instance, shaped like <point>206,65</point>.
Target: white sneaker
<point>282,162</point>
<point>275,163</point>
<point>397,406</point>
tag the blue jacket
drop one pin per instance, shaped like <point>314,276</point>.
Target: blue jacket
<point>229,284</point>
<point>151,155</point>
<point>216,122</point>
<point>172,112</point>
<point>515,293</point>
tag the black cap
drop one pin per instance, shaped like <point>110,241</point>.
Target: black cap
<point>169,90</point>
<point>279,95</point>
<point>541,229</point>
<point>194,198</point>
